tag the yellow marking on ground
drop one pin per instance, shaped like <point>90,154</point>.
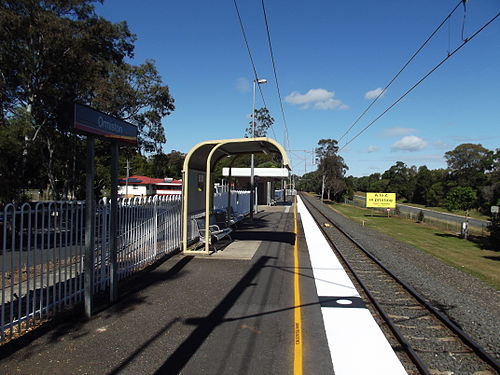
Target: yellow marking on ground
<point>297,355</point>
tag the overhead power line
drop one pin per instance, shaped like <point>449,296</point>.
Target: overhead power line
<point>285,140</point>
<point>401,70</point>
<point>464,42</point>
<point>256,76</point>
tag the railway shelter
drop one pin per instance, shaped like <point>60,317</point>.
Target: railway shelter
<point>198,179</point>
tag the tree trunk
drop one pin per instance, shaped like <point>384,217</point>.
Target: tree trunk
<point>50,167</point>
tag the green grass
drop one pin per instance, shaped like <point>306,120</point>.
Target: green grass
<point>471,257</point>
<point>475,214</point>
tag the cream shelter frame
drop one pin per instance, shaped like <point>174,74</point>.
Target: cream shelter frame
<point>198,171</point>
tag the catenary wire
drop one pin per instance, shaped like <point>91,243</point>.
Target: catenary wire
<point>286,139</point>
<point>400,71</point>
<point>465,41</point>
<point>256,76</point>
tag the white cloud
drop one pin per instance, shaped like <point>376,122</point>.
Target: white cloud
<point>317,98</point>
<point>409,143</point>
<point>372,94</point>
<point>398,132</point>
<point>242,84</point>
<point>373,149</point>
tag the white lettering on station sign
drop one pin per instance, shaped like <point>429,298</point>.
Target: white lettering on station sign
<point>88,121</point>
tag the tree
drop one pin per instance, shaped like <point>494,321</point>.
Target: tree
<point>55,52</point>
<point>468,163</point>
<point>332,166</point>
<point>401,180</point>
<point>263,121</point>
<point>310,182</point>
<point>136,94</point>
<point>18,165</point>
<point>163,165</point>
<point>460,198</point>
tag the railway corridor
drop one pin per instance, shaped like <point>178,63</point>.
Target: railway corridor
<point>274,301</point>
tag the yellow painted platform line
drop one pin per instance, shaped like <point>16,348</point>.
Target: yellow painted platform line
<point>297,353</point>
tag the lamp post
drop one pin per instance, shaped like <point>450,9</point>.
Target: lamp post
<point>252,176</point>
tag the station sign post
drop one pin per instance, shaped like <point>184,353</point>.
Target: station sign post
<point>92,123</point>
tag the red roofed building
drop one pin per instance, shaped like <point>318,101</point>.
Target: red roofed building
<point>142,186</point>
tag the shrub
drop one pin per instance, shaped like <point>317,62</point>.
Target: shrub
<point>494,228</point>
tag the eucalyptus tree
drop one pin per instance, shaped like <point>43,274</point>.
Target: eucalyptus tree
<point>54,52</point>
<point>332,167</point>
<point>263,121</point>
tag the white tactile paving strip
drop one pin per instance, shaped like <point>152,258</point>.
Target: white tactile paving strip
<point>357,345</point>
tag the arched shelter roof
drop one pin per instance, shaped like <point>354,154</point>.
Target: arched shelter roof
<point>197,157</point>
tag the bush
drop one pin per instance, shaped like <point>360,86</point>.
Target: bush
<point>494,228</point>
<point>420,216</point>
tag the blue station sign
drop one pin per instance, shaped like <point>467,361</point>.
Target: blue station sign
<point>88,121</point>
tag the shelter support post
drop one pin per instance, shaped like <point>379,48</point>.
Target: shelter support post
<point>88,262</point>
<point>208,193</point>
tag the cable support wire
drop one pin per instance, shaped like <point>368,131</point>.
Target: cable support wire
<point>285,140</point>
<point>465,41</point>
<point>256,76</point>
<point>401,70</point>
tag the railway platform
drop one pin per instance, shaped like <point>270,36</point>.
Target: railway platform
<point>274,301</point>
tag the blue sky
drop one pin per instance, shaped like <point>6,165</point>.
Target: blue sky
<point>331,56</point>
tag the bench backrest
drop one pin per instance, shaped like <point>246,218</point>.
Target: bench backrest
<point>200,221</point>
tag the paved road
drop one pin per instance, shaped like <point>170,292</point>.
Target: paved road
<point>457,219</point>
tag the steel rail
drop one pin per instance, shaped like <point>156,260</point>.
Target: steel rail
<point>466,339</point>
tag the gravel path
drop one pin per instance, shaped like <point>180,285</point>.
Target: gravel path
<point>470,303</point>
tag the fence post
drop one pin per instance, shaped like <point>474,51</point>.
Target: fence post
<point>113,282</point>
<point>155,216</point>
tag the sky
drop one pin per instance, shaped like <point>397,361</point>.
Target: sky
<point>332,58</point>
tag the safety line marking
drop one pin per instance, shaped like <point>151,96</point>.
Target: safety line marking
<point>297,357</point>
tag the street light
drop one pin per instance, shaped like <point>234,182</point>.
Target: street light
<point>252,176</point>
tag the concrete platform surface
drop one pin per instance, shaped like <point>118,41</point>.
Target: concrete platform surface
<point>190,315</point>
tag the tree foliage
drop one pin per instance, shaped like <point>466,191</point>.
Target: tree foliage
<point>136,94</point>
<point>468,163</point>
<point>461,198</point>
<point>263,121</point>
<point>332,166</point>
<point>55,52</point>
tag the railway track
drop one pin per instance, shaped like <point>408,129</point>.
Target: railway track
<point>430,339</point>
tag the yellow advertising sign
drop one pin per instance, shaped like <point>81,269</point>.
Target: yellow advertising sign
<point>385,200</point>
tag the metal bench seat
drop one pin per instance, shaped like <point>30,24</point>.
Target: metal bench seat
<point>216,232</point>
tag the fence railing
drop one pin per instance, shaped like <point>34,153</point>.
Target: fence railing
<point>42,247</point>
